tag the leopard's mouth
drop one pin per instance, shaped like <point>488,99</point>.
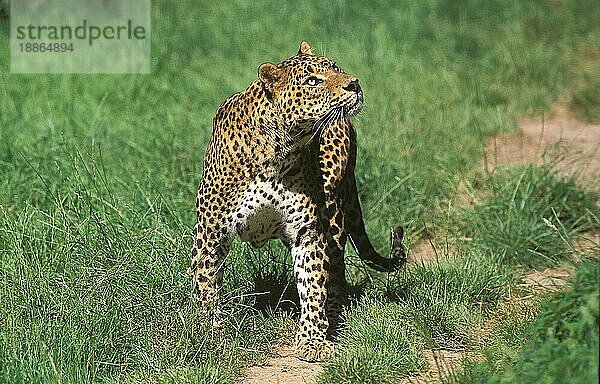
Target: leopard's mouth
<point>356,106</point>
<point>352,107</point>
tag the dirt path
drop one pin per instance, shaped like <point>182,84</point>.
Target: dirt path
<point>283,369</point>
<point>575,142</point>
<point>550,279</point>
<point>557,135</point>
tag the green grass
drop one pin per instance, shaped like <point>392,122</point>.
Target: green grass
<point>446,298</point>
<point>560,346</point>
<point>98,176</point>
<point>429,306</point>
<point>531,216</point>
<point>381,344</point>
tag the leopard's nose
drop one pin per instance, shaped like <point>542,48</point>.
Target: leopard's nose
<point>353,86</point>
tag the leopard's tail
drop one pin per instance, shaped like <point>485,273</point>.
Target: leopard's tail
<point>360,240</point>
<point>356,227</point>
<point>397,259</point>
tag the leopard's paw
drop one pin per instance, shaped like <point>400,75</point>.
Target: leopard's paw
<point>314,350</point>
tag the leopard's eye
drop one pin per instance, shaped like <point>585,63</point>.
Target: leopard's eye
<point>312,81</point>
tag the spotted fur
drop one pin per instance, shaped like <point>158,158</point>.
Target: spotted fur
<point>280,164</point>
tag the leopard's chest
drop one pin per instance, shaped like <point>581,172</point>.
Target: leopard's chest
<point>272,206</point>
<point>259,216</point>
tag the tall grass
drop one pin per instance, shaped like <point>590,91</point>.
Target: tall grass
<point>98,175</point>
<point>531,216</point>
<point>429,306</point>
<point>560,346</point>
<point>381,344</point>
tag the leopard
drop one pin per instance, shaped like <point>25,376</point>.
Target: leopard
<point>280,164</point>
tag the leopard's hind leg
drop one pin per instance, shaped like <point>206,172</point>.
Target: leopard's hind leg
<point>212,240</point>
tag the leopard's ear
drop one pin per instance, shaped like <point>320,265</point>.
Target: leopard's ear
<point>305,49</point>
<point>269,74</point>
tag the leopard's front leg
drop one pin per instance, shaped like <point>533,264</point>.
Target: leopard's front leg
<point>311,270</point>
<point>335,150</point>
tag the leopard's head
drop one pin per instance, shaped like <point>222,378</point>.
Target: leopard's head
<point>307,88</point>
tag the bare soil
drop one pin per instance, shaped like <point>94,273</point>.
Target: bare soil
<point>555,136</point>
<point>550,279</point>
<point>283,368</point>
<point>426,251</point>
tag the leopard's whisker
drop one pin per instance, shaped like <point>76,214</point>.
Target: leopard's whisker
<point>321,123</point>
